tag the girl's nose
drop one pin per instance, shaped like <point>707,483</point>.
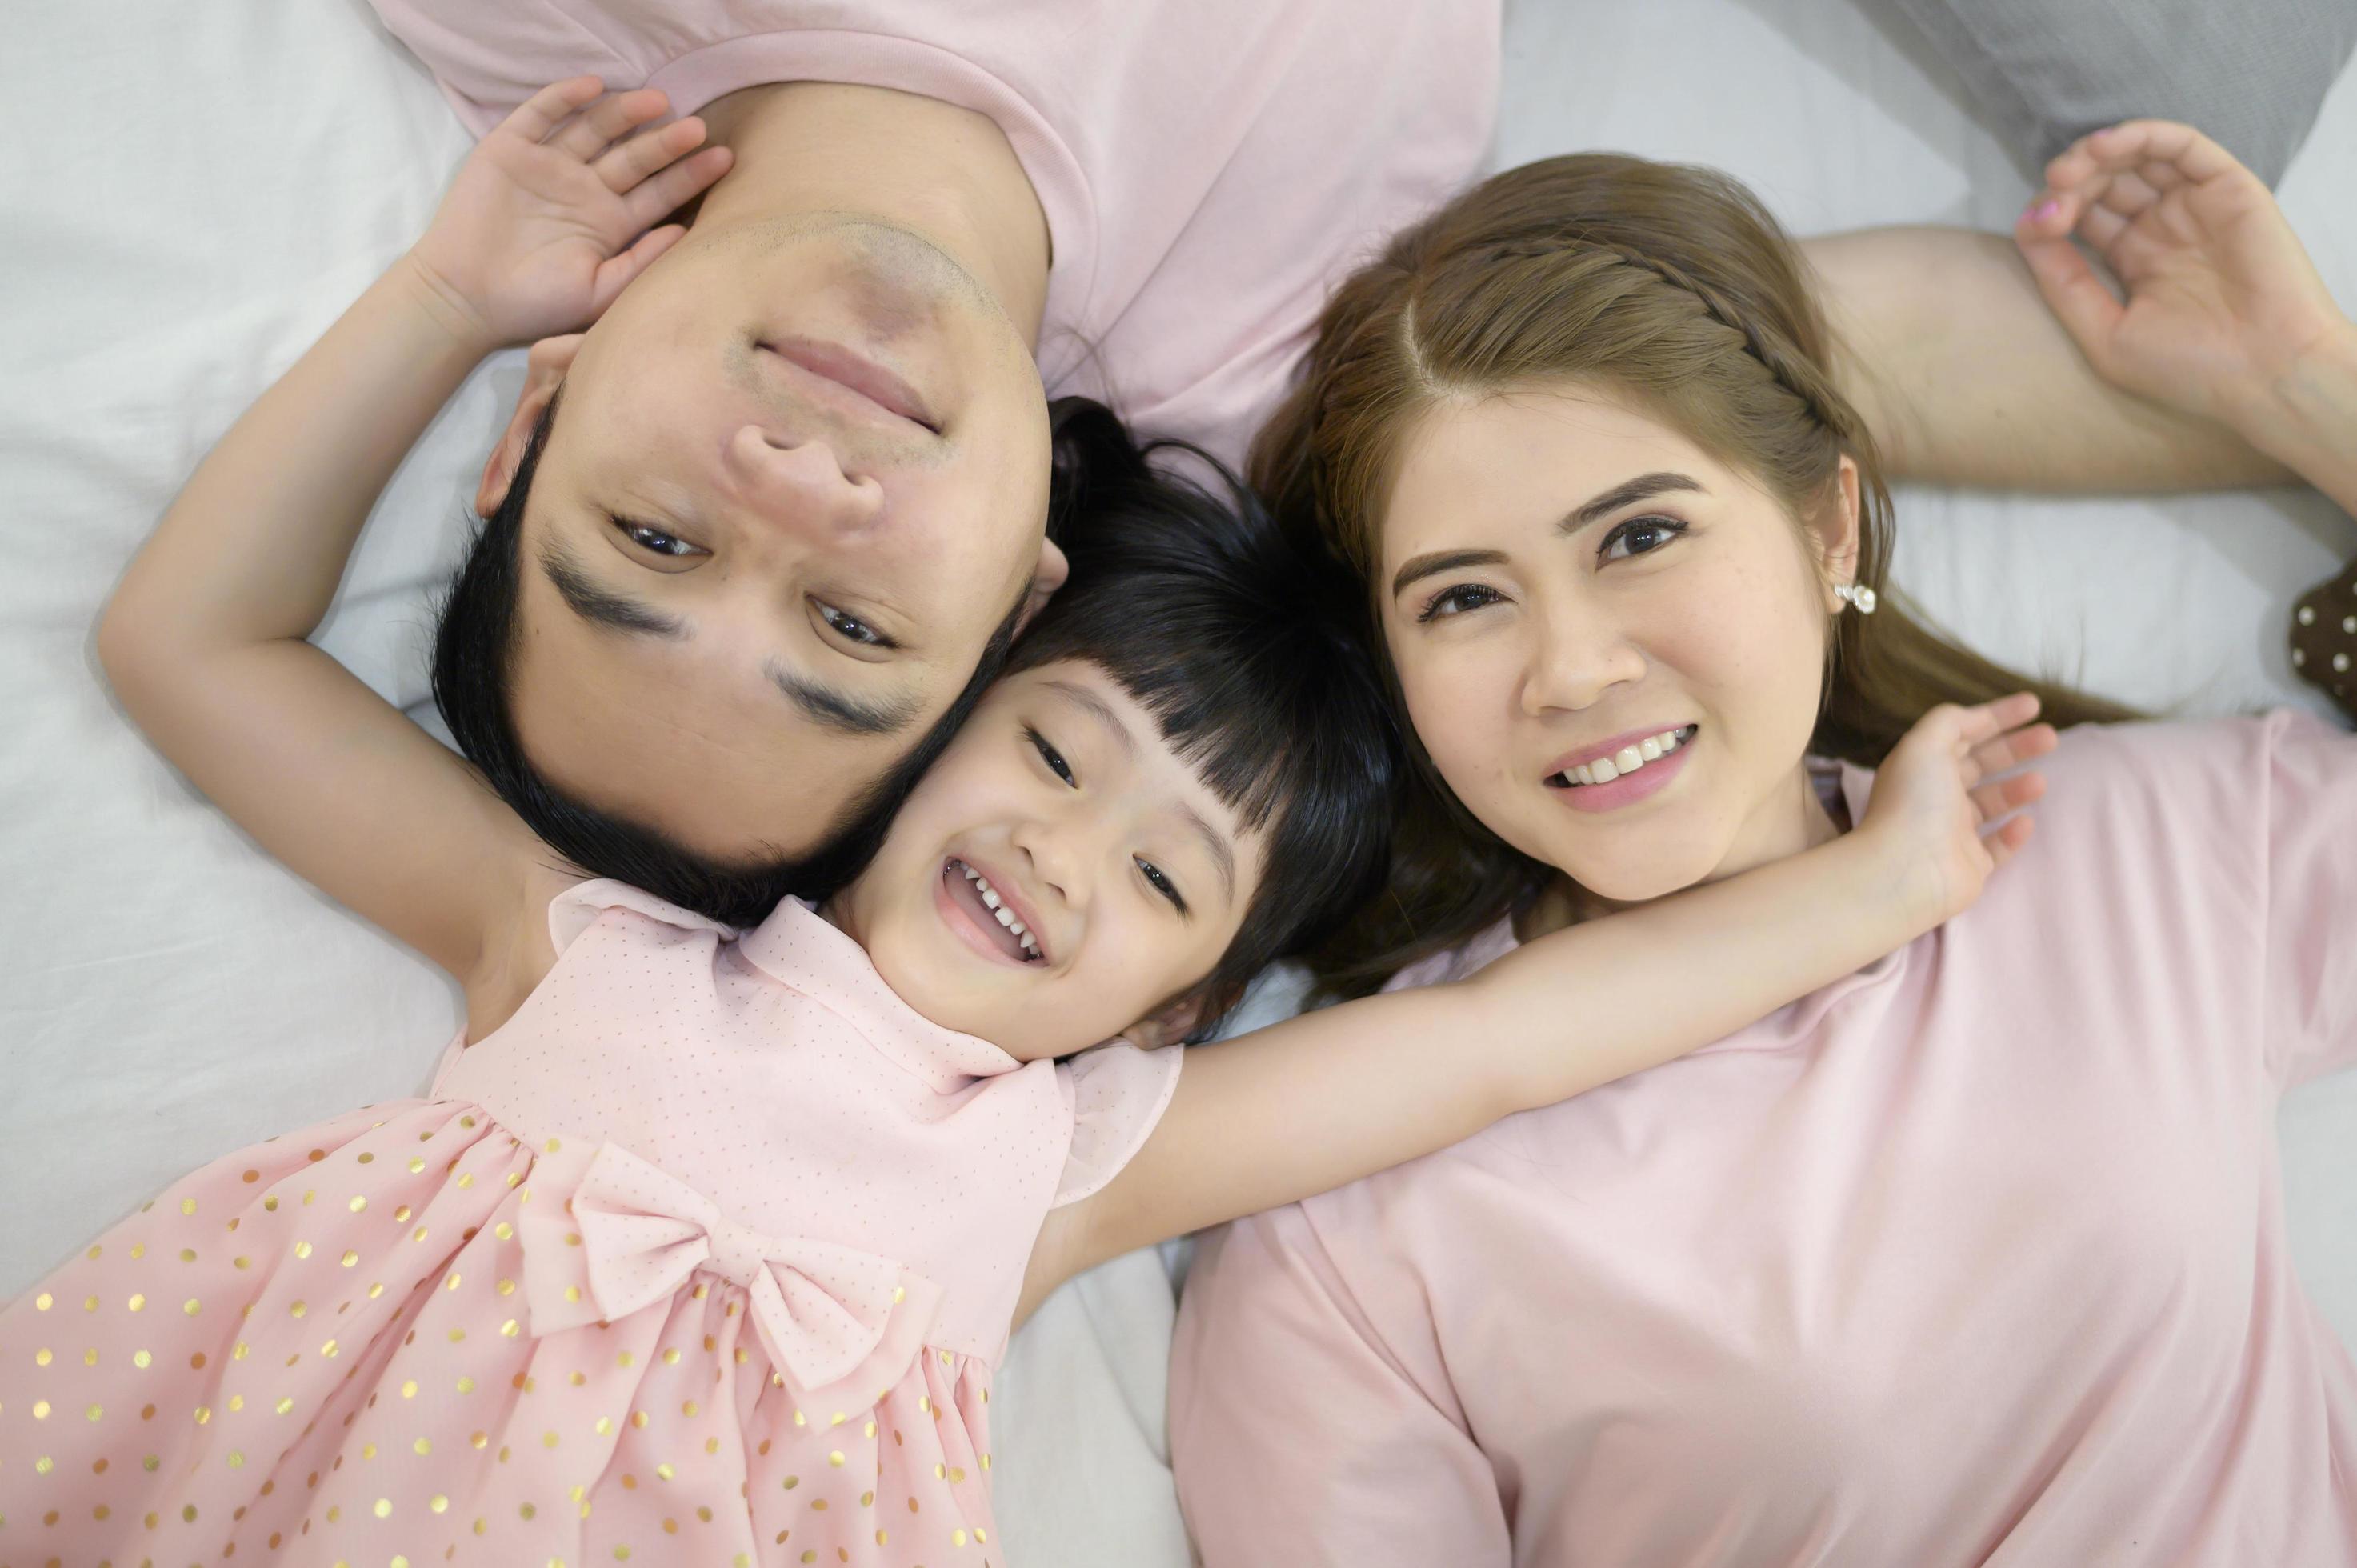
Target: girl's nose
<point>799,487</point>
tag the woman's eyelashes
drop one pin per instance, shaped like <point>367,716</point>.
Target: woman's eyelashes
<point>1456,600</point>
<point>1641,535</point>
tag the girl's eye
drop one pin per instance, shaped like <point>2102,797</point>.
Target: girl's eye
<point>1456,601</point>
<point>655,539</point>
<point>1162,885</point>
<point>852,628</point>
<point>1642,536</point>
<point>1051,756</point>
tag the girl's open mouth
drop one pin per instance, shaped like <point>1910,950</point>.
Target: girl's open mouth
<point>970,897</point>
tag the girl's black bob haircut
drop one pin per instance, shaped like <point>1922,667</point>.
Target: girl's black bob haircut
<point>1245,645</point>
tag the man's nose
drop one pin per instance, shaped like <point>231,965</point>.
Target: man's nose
<point>1574,661</point>
<point>799,486</point>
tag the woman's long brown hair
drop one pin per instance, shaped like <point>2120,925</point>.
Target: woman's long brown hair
<point>1666,285</point>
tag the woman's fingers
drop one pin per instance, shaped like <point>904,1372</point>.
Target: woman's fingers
<point>624,167</point>
<point>2001,796</point>
<point>608,121</point>
<point>675,187</point>
<point>1989,719</point>
<point>542,113</point>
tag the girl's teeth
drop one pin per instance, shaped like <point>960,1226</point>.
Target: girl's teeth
<point>1006,916</point>
<point>988,895</point>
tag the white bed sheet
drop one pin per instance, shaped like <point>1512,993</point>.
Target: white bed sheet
<point>189,194</point>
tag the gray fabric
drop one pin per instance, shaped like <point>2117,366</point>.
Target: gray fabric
<point>2251,74</point>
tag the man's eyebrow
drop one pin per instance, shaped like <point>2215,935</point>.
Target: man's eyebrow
<point>1641,488</point>
<point>840,710</point>
<point>1097,708</point>
<point>601,606</point>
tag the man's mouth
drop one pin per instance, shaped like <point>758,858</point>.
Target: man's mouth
<point>974,895</point>
<point>1630,758</point>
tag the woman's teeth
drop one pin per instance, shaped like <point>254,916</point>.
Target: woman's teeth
<point>1628,759</point>
<point>997,907</point>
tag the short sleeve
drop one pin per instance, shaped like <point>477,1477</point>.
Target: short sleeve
<point>577,908</point>
<point>2310,845</point>
<point>1116,1094</point>
<point>1297,1436</point>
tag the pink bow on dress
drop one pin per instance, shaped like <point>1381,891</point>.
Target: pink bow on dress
<point>834,1320</point>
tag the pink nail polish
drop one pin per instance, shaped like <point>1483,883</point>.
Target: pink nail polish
<point>2045,209</point>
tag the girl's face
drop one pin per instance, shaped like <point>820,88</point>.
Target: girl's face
<point>1058,876</point>
<point>1611,644</point>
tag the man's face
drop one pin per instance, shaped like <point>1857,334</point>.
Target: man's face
<point>798,478</point>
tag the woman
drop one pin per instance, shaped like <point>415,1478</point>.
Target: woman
<point>1976,1255</point>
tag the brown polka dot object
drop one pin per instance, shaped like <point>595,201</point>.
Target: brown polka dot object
<point>2324,639</point>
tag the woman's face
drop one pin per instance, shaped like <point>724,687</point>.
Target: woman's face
<point>1570,587</point>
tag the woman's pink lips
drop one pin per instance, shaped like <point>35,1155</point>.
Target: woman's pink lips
<point>1630,788</point>
<point>832,361</point>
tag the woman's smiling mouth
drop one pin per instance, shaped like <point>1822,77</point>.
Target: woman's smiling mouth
<point>1622,770</point>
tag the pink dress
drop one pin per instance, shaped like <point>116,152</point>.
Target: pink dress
<point>705,1256</point>
<point>1976,1256</point>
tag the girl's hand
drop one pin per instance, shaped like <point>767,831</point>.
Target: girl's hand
<point>1937,801</point>
<point>549,215</point>
<point>2223,302</point>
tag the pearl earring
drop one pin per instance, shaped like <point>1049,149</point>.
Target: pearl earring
<point>1858,595</point>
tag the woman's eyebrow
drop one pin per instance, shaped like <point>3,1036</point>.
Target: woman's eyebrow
<point>1442,560</point>
<point>1643,487</point>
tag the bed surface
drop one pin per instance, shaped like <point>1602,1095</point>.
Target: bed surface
<point>208,186</point>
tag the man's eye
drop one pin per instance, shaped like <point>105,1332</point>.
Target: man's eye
<point>1051,756</point>
<point>1162,885</point>
<point>851,627</point>
<point>656,539</point>
<point>1457,601</point>
<point>1641,535</point>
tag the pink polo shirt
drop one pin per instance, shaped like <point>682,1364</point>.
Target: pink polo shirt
<point>1976,1256</point>
<point>1208,168</point>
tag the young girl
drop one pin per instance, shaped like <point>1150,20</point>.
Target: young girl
<point>707,1243</point>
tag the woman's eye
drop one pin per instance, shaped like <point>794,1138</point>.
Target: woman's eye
<point>656,539</point>
<point>1162,885</point>
<point>1641,535</point>
<point>1051,756</point>
<point>1457,601</point>
<point>852,627</point>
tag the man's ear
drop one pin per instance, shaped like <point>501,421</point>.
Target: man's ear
<point>1050,576</point>
<point>1836,528</point>
<point>543,373</point>
<point>1173,1024</point>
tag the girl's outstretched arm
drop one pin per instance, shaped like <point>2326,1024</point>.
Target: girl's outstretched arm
<point>204,639</point>
<point>1325,1098</point>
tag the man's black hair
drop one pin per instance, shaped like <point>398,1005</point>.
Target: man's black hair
<point>473,675</point>
<point>1243,645</point>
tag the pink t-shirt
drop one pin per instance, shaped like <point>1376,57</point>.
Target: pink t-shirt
<point>1208,168</point>
<point>1976,1256</point>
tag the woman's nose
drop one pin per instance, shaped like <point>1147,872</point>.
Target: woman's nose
<point>1574,664</point>
<point>799,486</point>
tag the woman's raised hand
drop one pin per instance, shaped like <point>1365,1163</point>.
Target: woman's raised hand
<point>552,213</point>
<point>2223,302</point>
<point>1946,800</point>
